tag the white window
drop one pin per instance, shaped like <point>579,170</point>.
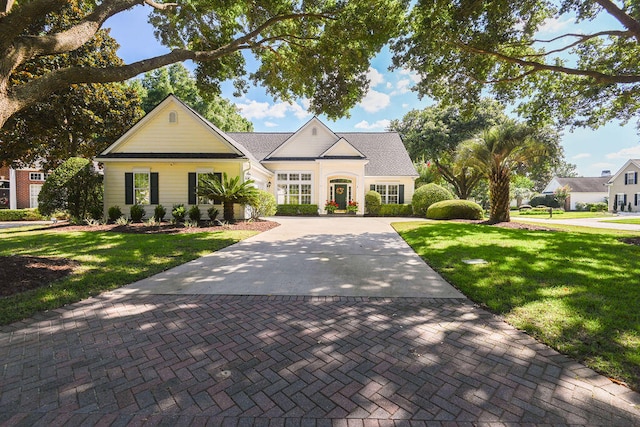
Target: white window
<point>173,117</point>
<point>141,188</point>
<point>621,199</point>
<point>34,191</point>
<point>36,176</point>
<point>630,178</point>
<point>294,188</point>
<point>388,193</point>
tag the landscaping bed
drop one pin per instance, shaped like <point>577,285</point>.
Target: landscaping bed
<point>167,227</point>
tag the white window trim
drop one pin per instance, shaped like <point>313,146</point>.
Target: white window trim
<point>299,182</point>
<point>173,114</point>
<point>386,196</point>
<point>36,176</point>
<point>631,174</point>
<point>147,172</point>
<point>31,195</point>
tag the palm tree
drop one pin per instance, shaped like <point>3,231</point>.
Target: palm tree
<point>228,191</point>
<point>495,152</point>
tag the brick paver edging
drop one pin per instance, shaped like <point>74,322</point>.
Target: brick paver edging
<point>247,360</point>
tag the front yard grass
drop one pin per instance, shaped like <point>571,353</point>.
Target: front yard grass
<point>107,260</point>
<point>565,215</point>
<point>625,221</point>
<point>577,292</point>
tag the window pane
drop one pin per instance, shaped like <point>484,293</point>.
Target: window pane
<point>282,194</point>
<point>305,177</point>
<point>294,177</point>
<point>141,188</point>
<point>305,200</point>
<point>282,177</point>
<point>305,189</point>
<point>141,180</point>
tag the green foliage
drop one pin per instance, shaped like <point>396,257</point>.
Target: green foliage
<point>498,46</point>
<point>541,211</point>
<point>159,213</point>
<point>592,207</point>
<point>263,204</point>
<point>176,79</point>
<point>74,187</point>
<point>427,195</point>
<point>455,209</point>
<point>547,200</point>
<point>137,213</point>
<point>194,213</point>
<point>229,191</point>
<point>213,213</point>
<point>395,210</point>
<point>20,215</point>
<point>114,213</point>
<point>178,212</point>
<point>297,210</point>
<point>372,202</point>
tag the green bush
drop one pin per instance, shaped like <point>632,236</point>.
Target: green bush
<point>297,210</point>
<point>159,212</point>
<point>263,204</point>
<point>427,195</point>
<point>541,211</point>
<point>396,210</point>
<point>194,213</point>
<point>372,203</point>
<point>213,213</point>
<point>20,215</point>
<point>455,209</point>
<point>114,213</point>
<point>547,200</point>
<point>137,213</point>
<point>178,212</point>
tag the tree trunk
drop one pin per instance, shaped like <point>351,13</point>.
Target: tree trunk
<point>228,211</point>
<point>499,196</point>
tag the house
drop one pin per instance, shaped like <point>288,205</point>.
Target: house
<point>19,188</point>
<point>586,189</point>
<point>161,159</point>
<point>624,189</point>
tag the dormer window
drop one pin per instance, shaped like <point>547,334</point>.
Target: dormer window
<point>314,131</point>
<point>173,117</point>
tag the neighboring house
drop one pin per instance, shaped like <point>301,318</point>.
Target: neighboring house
<point>19,188</point>
<point>161,158</point>
<point>583,189</point>
<point>624,189</point>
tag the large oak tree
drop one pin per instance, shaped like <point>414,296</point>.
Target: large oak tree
<point>317,49</point>
<point>576,78</point>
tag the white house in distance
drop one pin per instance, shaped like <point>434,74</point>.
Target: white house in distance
<point>161,158</point>
<point>624,189</point>
<point>585,189</point>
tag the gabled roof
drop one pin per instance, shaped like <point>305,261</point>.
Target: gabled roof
<point>342,149</point>
<point>623,169</point>
<point>585,184</point>
<point>313,122</point>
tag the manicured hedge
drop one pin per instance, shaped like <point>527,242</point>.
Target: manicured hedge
<point>455,209</point>
<point>547,200</point>
<point>20,215</point>
<point>540,211</point>
<point>297,210</point>
<point>395,210</point>
<point>372,203</point>
<point>427,195</point>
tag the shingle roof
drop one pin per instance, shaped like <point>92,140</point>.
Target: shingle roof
<point>384,150</point>
<point>587,184</point>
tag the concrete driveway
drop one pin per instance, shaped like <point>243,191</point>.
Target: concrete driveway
<point>308,256</point>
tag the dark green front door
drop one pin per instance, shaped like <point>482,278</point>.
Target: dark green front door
<point>341,196</point>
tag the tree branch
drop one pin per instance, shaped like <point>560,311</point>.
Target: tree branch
<point>582,38</point>
<point>629,23</point>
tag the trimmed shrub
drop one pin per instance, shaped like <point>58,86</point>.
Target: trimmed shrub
<point>297,210</point>
<point>137,213</point>
<point>20,215</point>
<point>178,212</point>
<point>396,210</point>
<point>547,200</point>
<point>455,209</point>
<point>427,195</point>
<point>542,210</point>
<point>372,203</point>
<point>114,213</point>
<point>263,204</point>
<point>194,213</point>
<point>159,212</point>
<point>213,213</point>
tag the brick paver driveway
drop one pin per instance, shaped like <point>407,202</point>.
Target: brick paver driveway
<point>136,359</point>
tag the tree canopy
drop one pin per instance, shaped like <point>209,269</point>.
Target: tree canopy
<point>176,79</point>
<point>316,49</point>
<point>580,79</point>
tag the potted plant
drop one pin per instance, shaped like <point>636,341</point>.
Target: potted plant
<point>352,207</point>
<point>330,206</point>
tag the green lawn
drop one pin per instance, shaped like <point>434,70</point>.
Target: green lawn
<point>577,292</point>
<point>625,221</point>
<point>565,215</point>
<point>108,260</point>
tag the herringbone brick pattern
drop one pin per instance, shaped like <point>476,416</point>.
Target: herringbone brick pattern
<point>292,361</point>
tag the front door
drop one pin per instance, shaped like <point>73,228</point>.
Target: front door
<point>341,196</point>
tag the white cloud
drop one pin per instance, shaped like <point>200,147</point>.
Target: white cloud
<point>402,86</point>
<point>375,101</point>
<point>626,153</point>
<point>380,124</point>
<point>411,74</point>
<point>270,124</point>
<point>263,110</point>
<point>389,85</point>
<point>405,105</point>
<point>554,25</point>
<point>581,156</point>
<point>602,165</point>
<point>375,77</point>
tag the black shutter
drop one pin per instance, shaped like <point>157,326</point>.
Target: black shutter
<point>192,188</point>
<point>625,199</point>
<point>635,200</point>
<point>635,179</point>
<point>401,194</point>
<point>372,187</point>
<point>218,175</point>
<point>154,188</point>
<point>625,179</point>
<point>128,188</point>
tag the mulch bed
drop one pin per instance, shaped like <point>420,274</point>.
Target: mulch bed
<point>168,228</point>
<point>21,273</point>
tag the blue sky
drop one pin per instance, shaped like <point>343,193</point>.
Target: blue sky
<point>390,97</point>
